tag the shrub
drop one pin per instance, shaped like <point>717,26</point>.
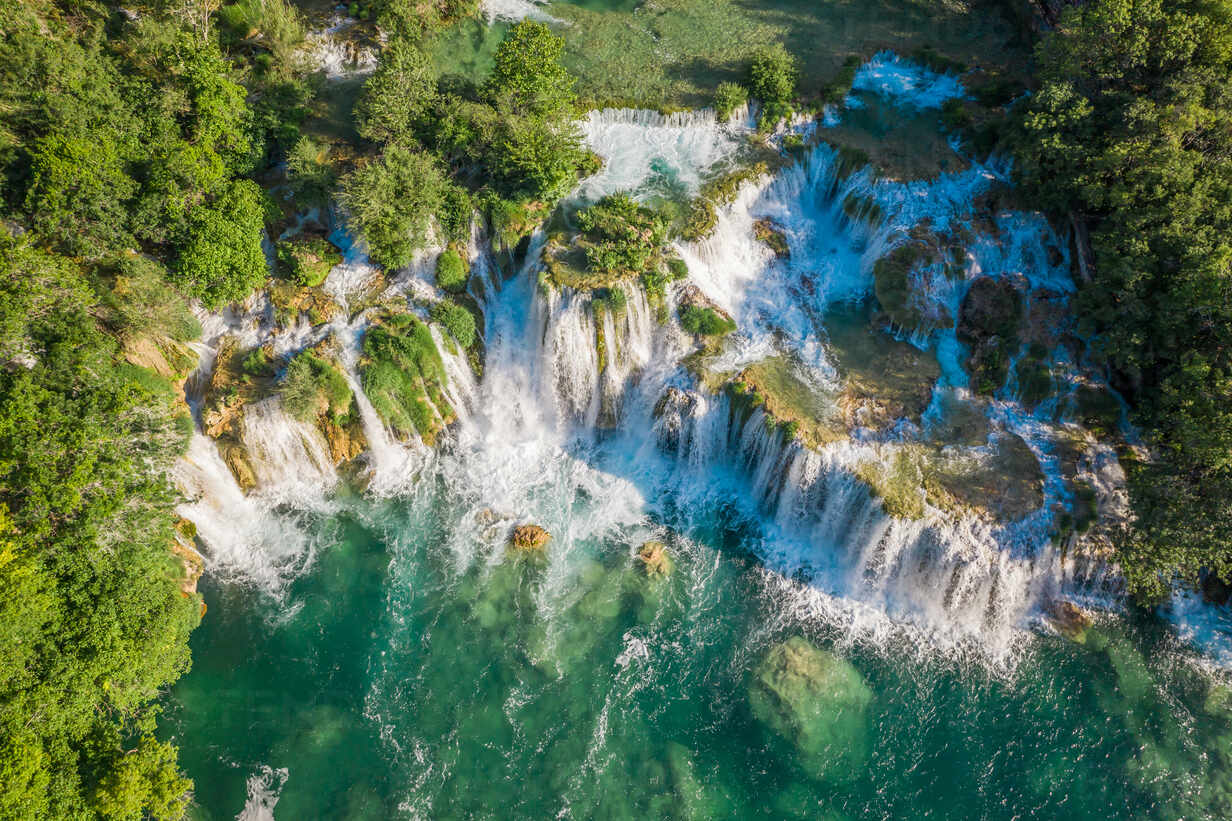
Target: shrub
<point>705,321</point>
<point>311,176</point>
<point>308,259</point>
<point>727,98</point>
<point>772,75</point>
<point>451,271</point>
<point>621,237</point>
<point>391,200</point>
<point>139,301</point>
<point>456,319</point>
<point>397,95</point>
<point>222,260</point>
<point>312,386</point>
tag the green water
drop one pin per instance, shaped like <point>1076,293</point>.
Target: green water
<point>409,674</point>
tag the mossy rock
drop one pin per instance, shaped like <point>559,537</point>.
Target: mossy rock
<point>655,559</point>
<point>290,300</point>
<point>1004,485</point>
<point>404,377</point>
<point>529,538</point>
<point>817,701</point>
<point>1070,620</point>
<point>803,411</point>
<point>990,322</point>
<point>1098,410</point>
<point>894,288</point>
<point>307,259</point>
<point>772,237</point>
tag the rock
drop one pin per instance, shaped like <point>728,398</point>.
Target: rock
<point>655,558</point>
<point>989,321</point>
<point>673,408</point>
<point>345,443</point>
<point>1068,619</point>
<point>236,457</point>
<point>772,236</point>
<point>819,702</point>
<point>529,537</point>
<point>691,296</point>
<point>1215,590</point>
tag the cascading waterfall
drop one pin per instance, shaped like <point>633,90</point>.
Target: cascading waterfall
<point>291,459</point>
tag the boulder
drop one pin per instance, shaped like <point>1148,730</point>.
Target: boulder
<point>989,321</point>
<point>655,558</point>
<point>529,538</point>
<point>1068,619</point>
<point>772,236</point>
<point>817,701</point>
<point>692,297</point>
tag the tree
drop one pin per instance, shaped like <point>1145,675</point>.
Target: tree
<point>1131,131</point>
<point>222,259</point>
<point>772,76</point>
<point>537,159</point>
<point>397,95</point>
<point>78,194</point>
<point>391,200</point>
<point>528,77</point>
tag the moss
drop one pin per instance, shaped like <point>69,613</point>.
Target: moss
<point>451,272</point>
<point>766,232</point>
<point>720,190</point>
<point>456,319</point>
<point>928,56</point>
<point>899,484</point>
<point>705,321</point>
<point>1034,377</point>
<point>859,208</point>
<point>803,411</point>
<point>836,90</point>
<point>403,376</point>
<point>989,321</point>
<point>892,285</point>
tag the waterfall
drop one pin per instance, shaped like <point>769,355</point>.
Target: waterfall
<point>290,458</point>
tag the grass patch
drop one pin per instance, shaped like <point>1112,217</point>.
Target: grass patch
<point>403,376</point>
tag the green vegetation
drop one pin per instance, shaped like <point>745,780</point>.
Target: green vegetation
<point>313,387</point>
<point>311,175</point>
<point>1129,132</point>
<point>308,259</point>
<point>403,376</point>
<point>727,98</point>
<point>451,271</point>
<point>705,321</point>
<point>126,148</point>
<point>391,200</point>
<point>456,319</point>
<point>92,621</point>
<point>621,237</point>
<point>772,79</point>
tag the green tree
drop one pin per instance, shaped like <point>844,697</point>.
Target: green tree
<point>391,200</point>
<point>1131,131</point>
<point>222,259</point>
<point>772,75</point>
<point>397,95</point>
<point>528,77</point>
<point>77,194</point>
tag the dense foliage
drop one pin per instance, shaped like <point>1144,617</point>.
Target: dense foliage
<point>451,271</point>
<point>772,79</point>
<point>126,143</point>
<point>313,387</point>
<point>403,376</point>
<point>1131,131</point>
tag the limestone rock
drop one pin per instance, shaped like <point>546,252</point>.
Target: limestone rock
<point>1069,619</point>
<point>817,701</point>
<point>529,537</point>
<point>236,457</point>
<point>691,296</point>
<point>655,558</point>
<point>772,236</point>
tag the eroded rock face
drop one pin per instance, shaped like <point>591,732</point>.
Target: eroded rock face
<point>691,296</point>
<point>529,537</point>
<point>672,409</point>
<point>772,236</point>
<point>817,701</point>
<point>989,322</point>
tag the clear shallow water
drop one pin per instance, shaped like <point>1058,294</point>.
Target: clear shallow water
<point>402,678</point>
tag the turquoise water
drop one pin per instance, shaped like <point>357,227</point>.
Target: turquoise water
<point>405,675</point>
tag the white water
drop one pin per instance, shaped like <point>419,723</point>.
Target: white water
<point>551,437</point>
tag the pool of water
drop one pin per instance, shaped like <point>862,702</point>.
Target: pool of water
<point>408,674</point>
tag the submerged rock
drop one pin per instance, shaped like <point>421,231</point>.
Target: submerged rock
<point>655,558</point>
<point>816,700</point>
<point>989,321</point>
<point>529,537</point>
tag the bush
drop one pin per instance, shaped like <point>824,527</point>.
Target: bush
<point>397,95</point>
<point>308,259</point>
<point>312,387</point>
<point>705,321</point>
<point>222,260</point>
<point>528,77</point>
<point>311,176</point>
<point>140,301</point>
<point>456,319</point>
<point>621,237</point>
<point>727,98</point>
<point>772,75</point>
<point>451,271</point>
<point>391,200</point>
